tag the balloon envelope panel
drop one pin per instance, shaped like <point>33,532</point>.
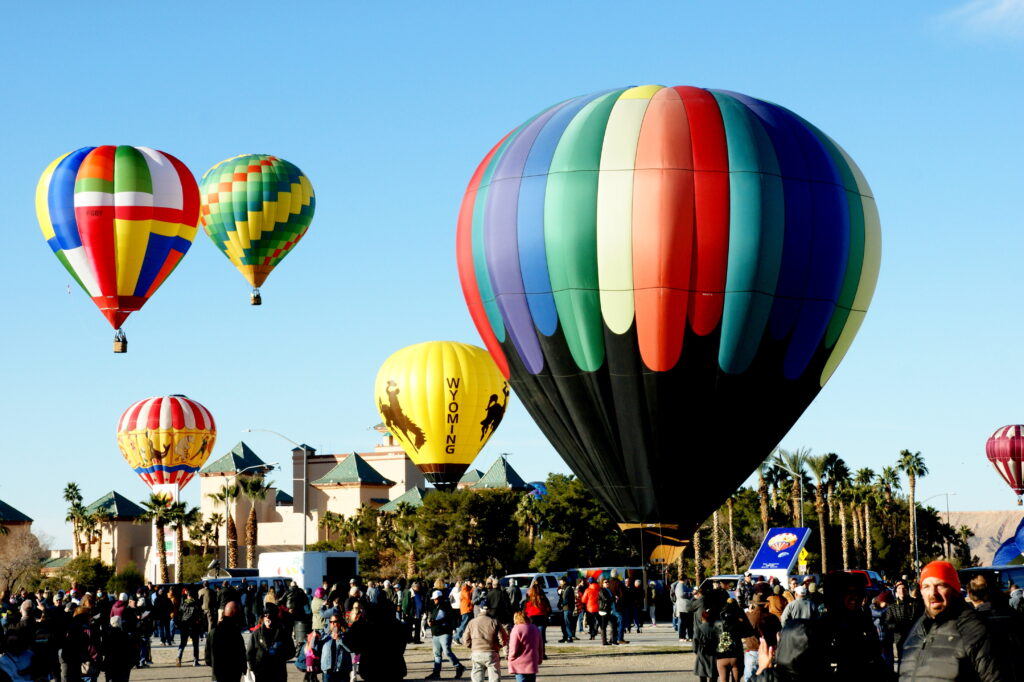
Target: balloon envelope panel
<point>166,440</point>
<point>1005,449</point>
<point>668,276</point>
<point>119,219</point>
<point>255,209</point>
<point>442,401</point>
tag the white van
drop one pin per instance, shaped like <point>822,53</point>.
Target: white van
<point>549,581</point>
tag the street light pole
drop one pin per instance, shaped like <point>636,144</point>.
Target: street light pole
<point>305,477</point>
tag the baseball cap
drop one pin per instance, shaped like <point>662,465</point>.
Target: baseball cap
<point>801,591</point>
<point>437,594</point>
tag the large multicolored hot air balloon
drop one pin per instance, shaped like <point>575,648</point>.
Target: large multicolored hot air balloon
<point>119,219</point>
<point>442,400</point>
<point>166,440</point>
<point>256,208</point>
<point>1005,449</point>
<point>669,275</point>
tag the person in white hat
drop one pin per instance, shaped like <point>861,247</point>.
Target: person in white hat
<point>441,621</point>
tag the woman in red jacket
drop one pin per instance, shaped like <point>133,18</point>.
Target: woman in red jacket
<point>591,598</point>
<point>538,610</point>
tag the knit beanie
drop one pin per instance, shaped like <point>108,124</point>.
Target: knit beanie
<point>944,571</point>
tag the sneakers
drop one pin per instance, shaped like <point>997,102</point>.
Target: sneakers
<point>459,669</point>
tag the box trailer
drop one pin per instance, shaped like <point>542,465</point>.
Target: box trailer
<point>310,569</point>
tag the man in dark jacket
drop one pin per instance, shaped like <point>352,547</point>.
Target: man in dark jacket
<point>950,642</point>
<point>269,649</point>
<point>1004,625</point>
<point>441,621</point>
<point>605,609</point>
<point>189,621</point>
<point>298,606</point>
<point>412,611</point>
<point>225,649</point>
<point>567,605</point>
<point>901,615</point>
<point>498,604</point>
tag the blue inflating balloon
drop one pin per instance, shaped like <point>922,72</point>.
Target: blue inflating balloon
<point>1007,553</point>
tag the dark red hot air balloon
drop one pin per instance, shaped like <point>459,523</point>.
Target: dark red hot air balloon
<point>1005,449</point>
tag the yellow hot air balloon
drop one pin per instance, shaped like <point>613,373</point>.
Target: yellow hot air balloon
<point>442,400</point>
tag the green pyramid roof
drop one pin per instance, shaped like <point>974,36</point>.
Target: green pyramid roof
<point>501,475</point>
<point>353,469</point>
<point>240,457</point>
<point>117,505</point>
<point>283,498</point>
<point>471,476</point>
<point>412,497</point>
<point>56,562</point>
<point>9,514</point>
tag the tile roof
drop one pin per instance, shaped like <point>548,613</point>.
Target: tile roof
<point>501,475</point>
<point>56,562</point>
<point>471,476</point>
<point>9,514</point>
<point>353,469</point>
<point>117,505</point>
<point>240,457</point>
<point>413,497</point>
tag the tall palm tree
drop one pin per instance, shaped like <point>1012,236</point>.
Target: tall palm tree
<point>157,511</point>
<point>328,521</point>
<point>838,474</point>
<point>87,532</point>
<point>865,479</point>
<point>527,518</point>
<point>698,558</point>
<point>912,464</point>
<point>73,496</point>
<point>255,489</point>
<point>889,479</point>
<point>715,541</point>
<point>227,495</point>
<point>818,464</point>
<point>98,520</point>
<point>181,517</point>
<point>216,520</point>
<point>840,494</point>
<point>763,473</point>
<point>795,461</point>
<point>732,535</point>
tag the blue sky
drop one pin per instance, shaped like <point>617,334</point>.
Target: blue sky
<point>388,107</point>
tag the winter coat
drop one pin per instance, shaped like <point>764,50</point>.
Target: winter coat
<point>567,599</point>
<point>591,598</point>
<point>524,649</point>
<point>955,645</point>
<point>900,617</point>
<point>799,609</point>
<point>225,651</point>
<point>317,606</point>
<point>268,652</point>
<point>441,618</point>
<point>297,602</point>
<point>379,639</point>
<point>705,645</point>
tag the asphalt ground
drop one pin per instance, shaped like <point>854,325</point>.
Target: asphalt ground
<point>654,654</point>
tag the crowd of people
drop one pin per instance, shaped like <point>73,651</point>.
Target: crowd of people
<point>927,630</point>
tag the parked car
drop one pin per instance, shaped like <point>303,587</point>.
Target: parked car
<point>997,575</point>
<point>549,581</point>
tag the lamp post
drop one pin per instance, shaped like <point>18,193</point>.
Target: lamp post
<point>305,477</point>
<point>917,560</point>
<point>800,488</point>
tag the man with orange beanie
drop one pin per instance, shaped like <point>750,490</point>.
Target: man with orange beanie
<point>950,641</point>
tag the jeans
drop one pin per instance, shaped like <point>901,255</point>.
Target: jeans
<point>685,626</point>
<point>622,615</point>
<point>607,620</point>
<point>650,614</point>
<point>466,617</point>
<point>524,677</point>
<point>749,665</point>
<point>443,648</point>
<point>568,625</point>
<point>488,662</point>
<point>185,634</point>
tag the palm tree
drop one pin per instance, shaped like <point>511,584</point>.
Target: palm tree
<point>795,462</point>
<point>838,474</point>
<point>99,519</point>
<point>157,510</point>
<point>840,494</point>
<point>764,472</point>
<point>818,464</point>
<point>216,520</point>
<point>698,559</point>
<point>732,535</point>
<point>328,521</point>
<point>73,496</point>
<point>255,489</point>
<point>527,518</point>
<point>227,495</point>
<point>865,478</point>
<point>889,479</point>
<point>912,464</point>
<point>180,517</point>
<point>715,541</point>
